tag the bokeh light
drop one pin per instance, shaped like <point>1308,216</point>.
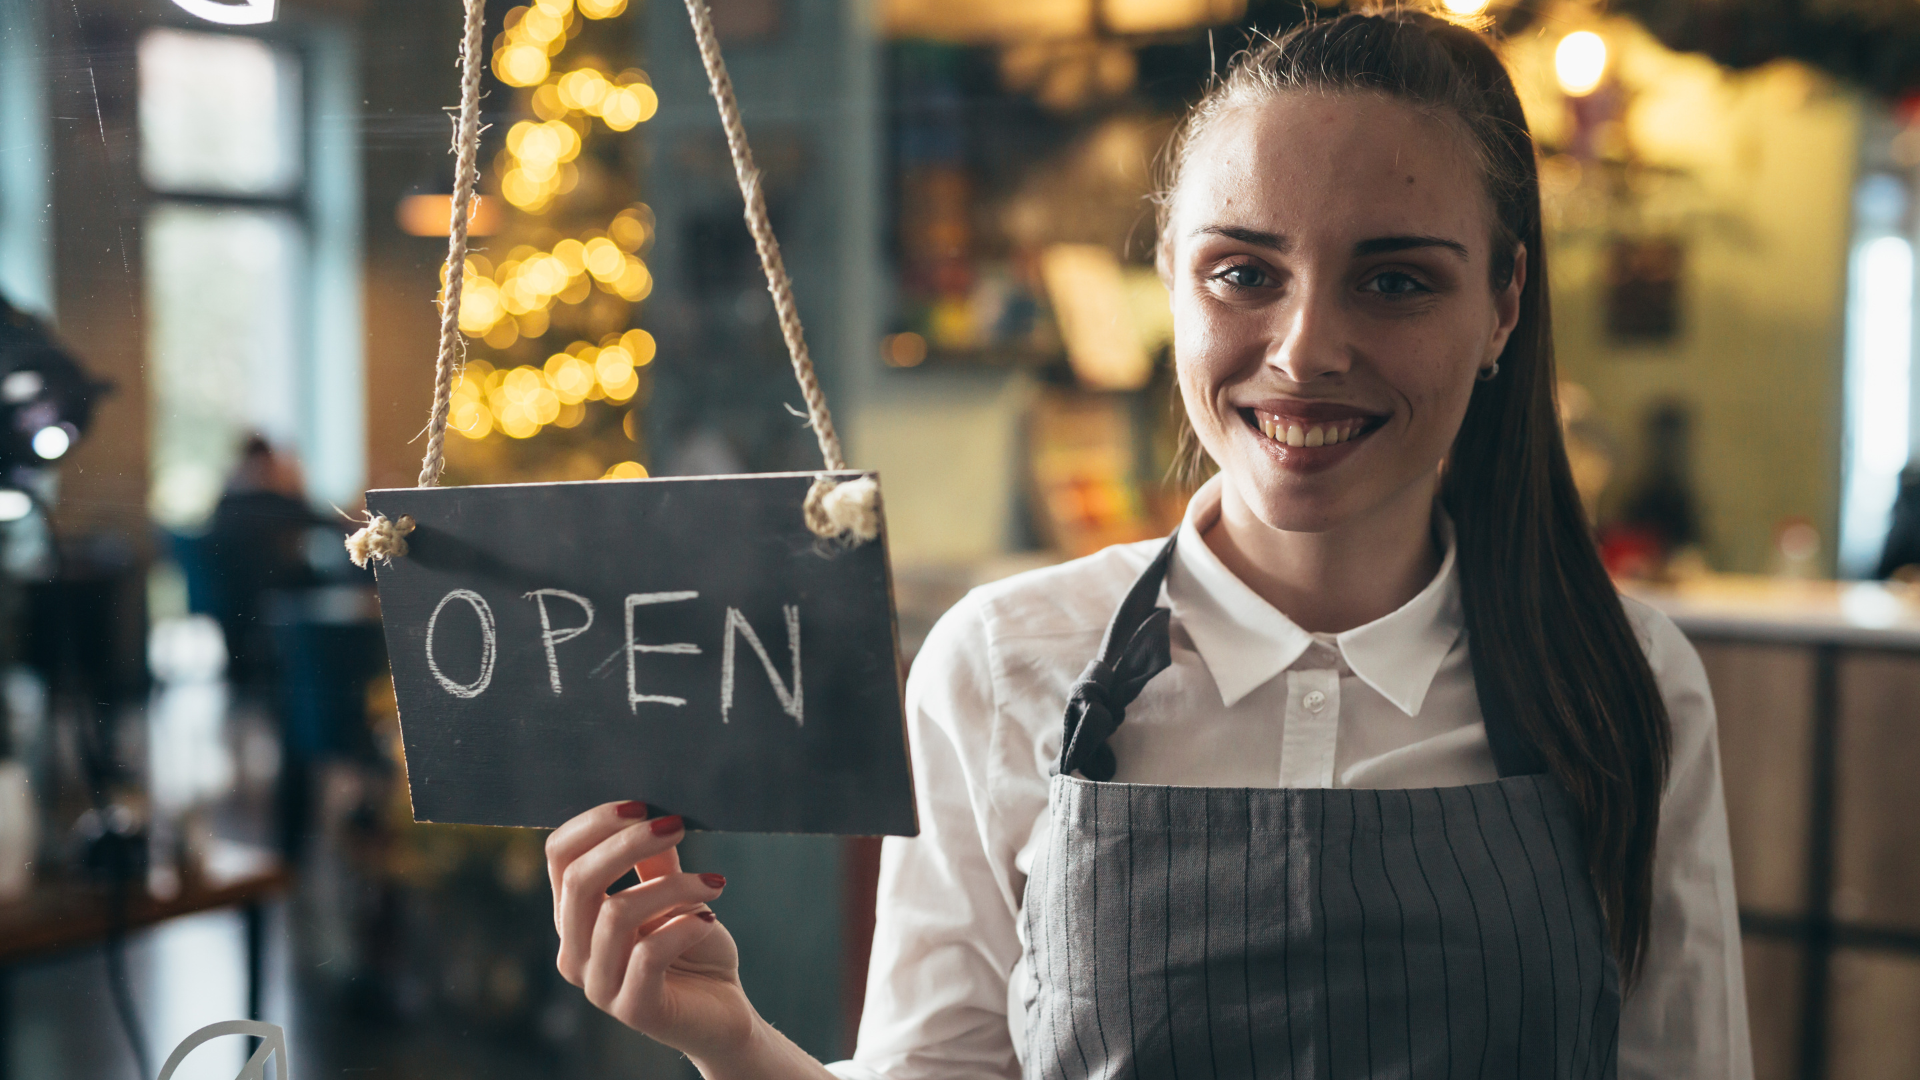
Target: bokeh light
<point>1580,62</point>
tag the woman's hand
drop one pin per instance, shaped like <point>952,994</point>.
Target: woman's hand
<point>653,956</point>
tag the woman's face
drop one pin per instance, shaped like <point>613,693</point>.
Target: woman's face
<point>1330,270</point>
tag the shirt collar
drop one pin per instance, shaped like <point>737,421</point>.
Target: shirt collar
<point>1246,641</point>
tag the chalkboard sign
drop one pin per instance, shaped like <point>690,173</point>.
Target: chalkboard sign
<point>686,642</point>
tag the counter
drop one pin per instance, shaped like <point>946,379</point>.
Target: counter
<point>1817,686</point>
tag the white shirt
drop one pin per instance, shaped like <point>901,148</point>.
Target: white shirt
<point>1251,700</point>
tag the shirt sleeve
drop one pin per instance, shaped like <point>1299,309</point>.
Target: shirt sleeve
<point>1687,1015</point>
<point>945,939</point>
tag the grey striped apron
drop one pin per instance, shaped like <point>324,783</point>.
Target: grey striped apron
<point>1328,933</point>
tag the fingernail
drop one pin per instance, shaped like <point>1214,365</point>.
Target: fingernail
<point>706,916</point>
<point>630,809</point>
<point>713,881</point>
<point>666,826</point>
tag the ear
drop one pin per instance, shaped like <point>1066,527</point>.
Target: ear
<point>1506,307</point>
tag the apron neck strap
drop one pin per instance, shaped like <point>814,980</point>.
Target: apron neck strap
<point>1137,646</point>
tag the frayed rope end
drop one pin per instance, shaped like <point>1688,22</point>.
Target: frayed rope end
<point>851,510</point>
<point>379,540</point>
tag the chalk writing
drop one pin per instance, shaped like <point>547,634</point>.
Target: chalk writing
<point>550,637</point>
<point>488,646</point>
<point>634,697</point>
<point>791,701</point>
<point>790,691</point>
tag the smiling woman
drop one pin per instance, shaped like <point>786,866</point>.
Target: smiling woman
<point>1368,767</point>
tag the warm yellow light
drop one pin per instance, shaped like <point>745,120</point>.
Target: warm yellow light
<point>583,89</point>
<point>547,104</point>
<point>602,9</point>
<point>472,419</point>
<point>1464,8</point>
<point>432,215</point>
<point>622,108</point>
<point>542,25</point>
<point>626,389</point>
<point>904,350</point>
<point>525,192</point>
<point>626,470</point>
<point>572,255</point>
<point>572,378</point>
<point>635,283</point>
<point>521,64</point>
<point>503,335</point>
<point>523,383</point>
<point>480,305</point>
<point>605,261</point>
<point>627,230</point>
<point>545,405</point>
<point>1580,62</point>
<point>613,367</point>
<point>639,345</point>
<point>518,422</point>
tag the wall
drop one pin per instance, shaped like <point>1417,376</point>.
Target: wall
<point>1755,171</point>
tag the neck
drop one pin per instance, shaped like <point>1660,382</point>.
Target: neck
<point>1337,579</point>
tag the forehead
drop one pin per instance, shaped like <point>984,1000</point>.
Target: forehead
<point>1339,166</point>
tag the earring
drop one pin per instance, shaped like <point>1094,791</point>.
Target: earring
<point>1487,373</point>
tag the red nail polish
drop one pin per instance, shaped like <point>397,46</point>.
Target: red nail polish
<point>630,809</point>
<point>713,881</point>
<point>666,826</point>
<point>706,916</point>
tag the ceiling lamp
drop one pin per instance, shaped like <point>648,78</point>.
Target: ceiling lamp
<point>432,215</point>
<point>1580,62</point>
<point>246,13</point>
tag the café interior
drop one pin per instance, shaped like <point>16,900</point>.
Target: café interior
<point>221,244</point>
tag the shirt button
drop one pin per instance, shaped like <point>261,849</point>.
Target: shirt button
<point>1314,701</point>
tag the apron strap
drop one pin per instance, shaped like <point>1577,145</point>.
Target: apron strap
<point>1135,649</point>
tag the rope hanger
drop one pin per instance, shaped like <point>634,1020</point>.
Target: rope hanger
<point>832,509</point>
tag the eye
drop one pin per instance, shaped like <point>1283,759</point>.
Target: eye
<point>1395,283</point>
<point>1244,276</point>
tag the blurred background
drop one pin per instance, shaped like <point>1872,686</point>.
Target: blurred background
<point>220,248</point>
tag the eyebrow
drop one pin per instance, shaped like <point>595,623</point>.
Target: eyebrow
<point>1379,245</point>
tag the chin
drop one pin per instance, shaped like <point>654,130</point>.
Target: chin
<point>1291,503</point>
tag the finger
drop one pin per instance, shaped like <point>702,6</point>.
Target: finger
<point>667,862</point>
<point>583,884</point>
<point>582,832</point>
<point>643,988</point>
<point>627,916</point>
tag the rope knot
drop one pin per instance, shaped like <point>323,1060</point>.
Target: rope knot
<point>379,540</point>
<point>852,509</point>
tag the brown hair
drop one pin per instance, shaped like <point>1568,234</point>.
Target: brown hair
<point>1545,622</point>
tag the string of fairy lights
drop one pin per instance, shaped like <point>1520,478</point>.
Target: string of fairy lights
<point>518,299</point>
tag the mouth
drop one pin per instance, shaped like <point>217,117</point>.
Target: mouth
<point>1311,435</point>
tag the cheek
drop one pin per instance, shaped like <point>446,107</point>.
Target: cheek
<point>1434,384</point>
<point>1209,349</point>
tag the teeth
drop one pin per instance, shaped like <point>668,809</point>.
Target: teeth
<point>1296,435</point>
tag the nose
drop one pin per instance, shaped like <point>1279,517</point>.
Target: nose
<point>1309,339</point>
